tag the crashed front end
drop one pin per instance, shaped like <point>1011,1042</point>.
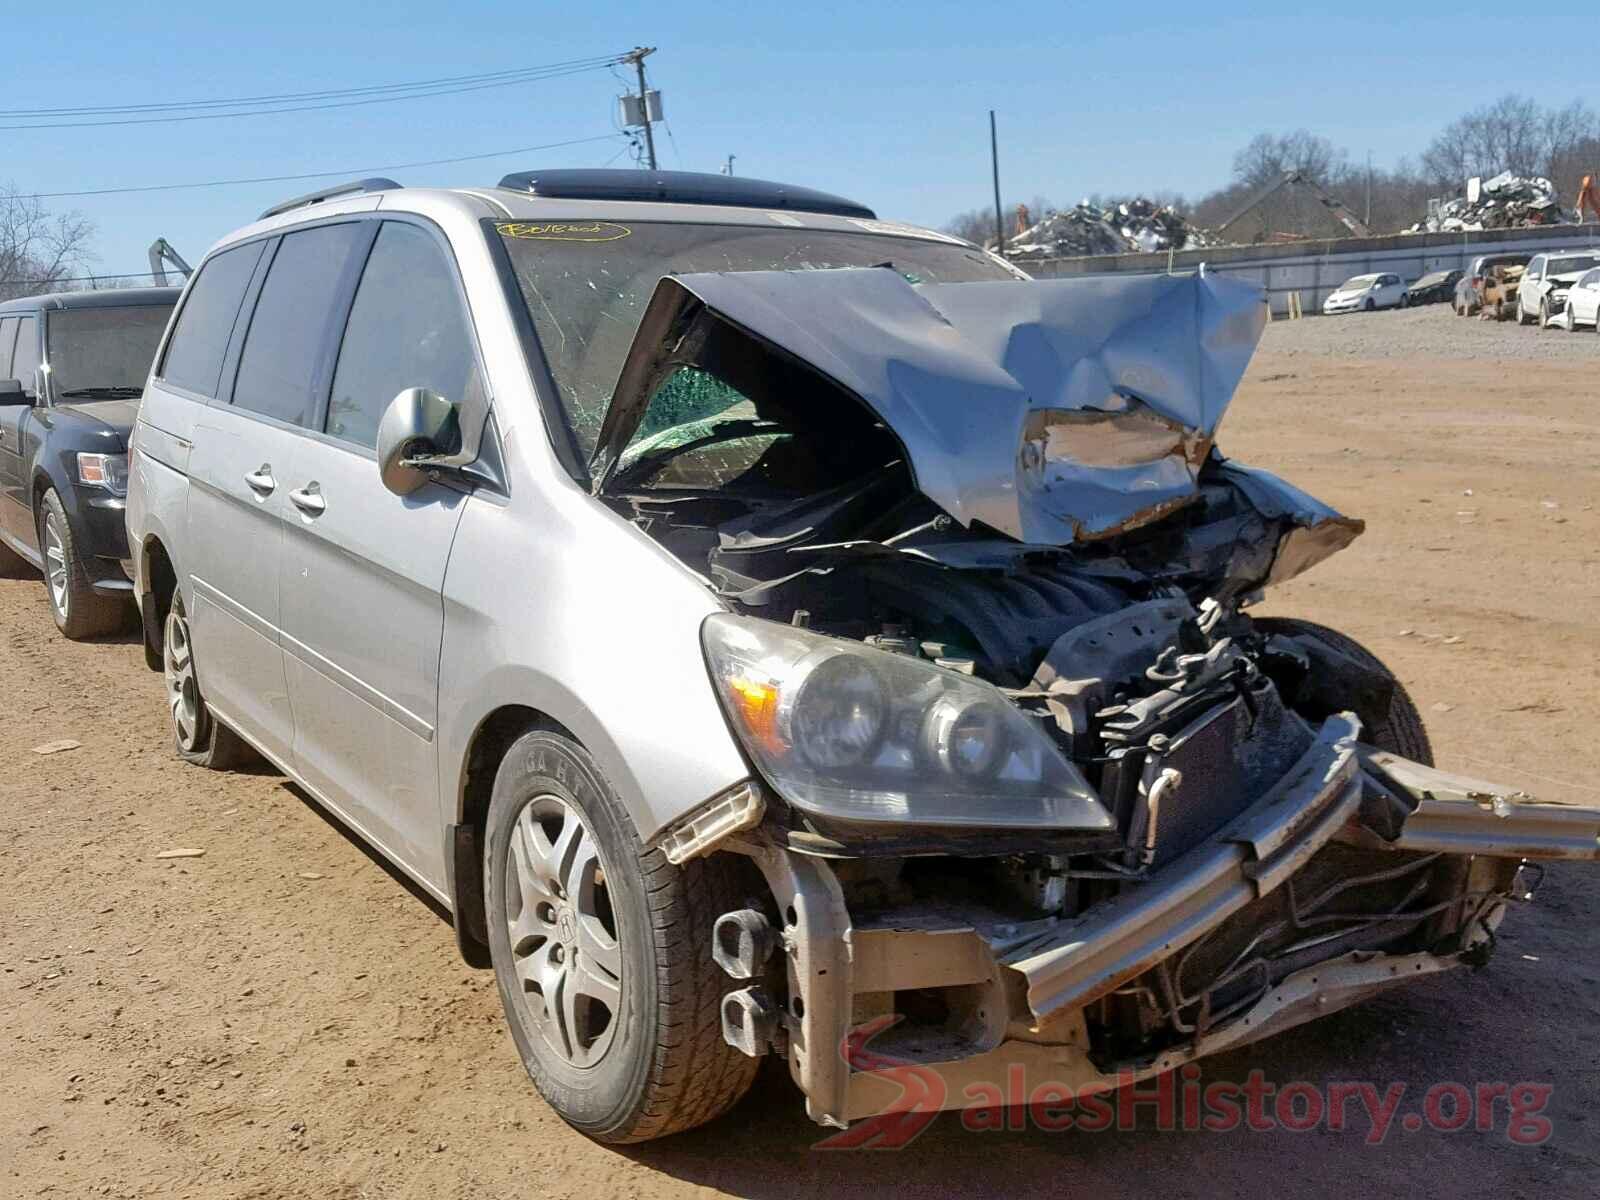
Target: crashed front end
<point>1031,790</point>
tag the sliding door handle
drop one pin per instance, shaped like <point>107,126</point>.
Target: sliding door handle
<point>309,499</point>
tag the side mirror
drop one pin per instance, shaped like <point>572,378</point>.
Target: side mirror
<point>12,395</point>
<point>418,427</point>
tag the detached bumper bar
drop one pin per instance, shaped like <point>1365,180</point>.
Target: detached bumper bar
<point>1457,815</point>
<point>1031,980</point>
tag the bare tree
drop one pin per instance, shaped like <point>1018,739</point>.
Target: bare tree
<point>1513,134</point>
<point>1270,155</point>
<point>38,249</point>
<point>976,225</point>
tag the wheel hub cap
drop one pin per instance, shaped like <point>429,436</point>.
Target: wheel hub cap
<point>564,945</point>
<point>55,561</point>
<point>177,665</point>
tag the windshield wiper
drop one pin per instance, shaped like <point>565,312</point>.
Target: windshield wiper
<point>122,392</point>
<point>638,469</point>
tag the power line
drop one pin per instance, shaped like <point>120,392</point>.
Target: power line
<point>352,172</point>
<point>290,97</point>
<point>531,76</point>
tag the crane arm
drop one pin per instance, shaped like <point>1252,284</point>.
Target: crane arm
<point>161,254</point>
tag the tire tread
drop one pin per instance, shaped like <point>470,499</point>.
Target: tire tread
<point>1402,731</point>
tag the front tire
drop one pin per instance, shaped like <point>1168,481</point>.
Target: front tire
<point>1399,729</point>
<point>197,735</point>
<point>602,952</point>
<point>78,610</point>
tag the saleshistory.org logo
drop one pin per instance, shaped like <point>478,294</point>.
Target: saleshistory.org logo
<point>1178,1101</point>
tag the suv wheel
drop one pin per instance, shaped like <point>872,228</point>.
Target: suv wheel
<point>1399,729</point>
<point>197,736</point>
<point>602,952</point>
<point>1522,314</point>
<point>79,611</point>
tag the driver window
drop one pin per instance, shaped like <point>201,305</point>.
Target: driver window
<point>406,329</point>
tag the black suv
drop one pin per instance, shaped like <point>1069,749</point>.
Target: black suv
<point>72,368</point>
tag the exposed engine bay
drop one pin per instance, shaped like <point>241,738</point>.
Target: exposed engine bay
<point>1034,709</point>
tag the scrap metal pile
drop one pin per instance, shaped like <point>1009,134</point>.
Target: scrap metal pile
<point>1505,202</point>
<point>1137,225</point>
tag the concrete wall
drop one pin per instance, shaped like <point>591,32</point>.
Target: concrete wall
<point>1315,269</point>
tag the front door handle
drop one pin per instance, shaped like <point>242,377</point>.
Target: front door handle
<point>261,481</point>
<point>309,499</point>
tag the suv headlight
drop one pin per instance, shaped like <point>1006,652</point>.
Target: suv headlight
<point>843,730</point>
<point>109,471</point>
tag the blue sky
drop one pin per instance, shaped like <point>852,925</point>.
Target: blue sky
<point>887,104</point>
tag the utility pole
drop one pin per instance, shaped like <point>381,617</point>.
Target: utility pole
<point>1368,221</point>
<point>637,57</point>
<point>994,162</point>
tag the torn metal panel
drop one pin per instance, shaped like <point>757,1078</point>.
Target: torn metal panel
<point>1052,411</point>
<point>1315,532</point>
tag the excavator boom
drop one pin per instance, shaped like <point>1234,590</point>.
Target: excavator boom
<point>1296,178</point>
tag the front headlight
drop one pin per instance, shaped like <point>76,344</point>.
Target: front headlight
<point>109,471</point>
<point>844,730</point>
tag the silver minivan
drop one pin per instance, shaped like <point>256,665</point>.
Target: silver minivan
<point>770,630</point>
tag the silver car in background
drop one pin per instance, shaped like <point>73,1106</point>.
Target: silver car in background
<point>770,629</point>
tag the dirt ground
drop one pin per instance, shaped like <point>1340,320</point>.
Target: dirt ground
<point>281,1017</point>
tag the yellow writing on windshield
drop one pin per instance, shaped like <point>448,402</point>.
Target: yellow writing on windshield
<point>563,231</point>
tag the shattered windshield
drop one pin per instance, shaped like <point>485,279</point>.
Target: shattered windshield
<point>586,284</point>
<point>103,350</point>
<point>1359,284</point>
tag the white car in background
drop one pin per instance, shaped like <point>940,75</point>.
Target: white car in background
<point>1366,292</point>
<point>1583,303</point>
<point>1546,283</point>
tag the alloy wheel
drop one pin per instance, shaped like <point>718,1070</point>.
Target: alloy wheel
<point>55,565</point>
<point>565,949</point>
<point>183,696</point>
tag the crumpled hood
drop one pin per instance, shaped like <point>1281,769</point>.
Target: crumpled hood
<point>1053,411</point>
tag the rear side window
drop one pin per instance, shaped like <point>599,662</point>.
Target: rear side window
<point>406,329</point>
<point>289,331</point>
<point>200,338</point>
<point>8,335</point>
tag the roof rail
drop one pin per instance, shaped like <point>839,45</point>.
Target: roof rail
<point>678,187</point>
<point>353,188</point>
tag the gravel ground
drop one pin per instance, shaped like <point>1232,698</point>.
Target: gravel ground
<point>1433,331</point>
